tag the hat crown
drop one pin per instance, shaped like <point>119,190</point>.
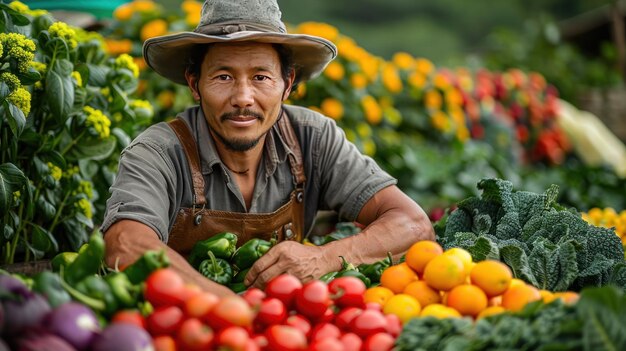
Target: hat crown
<point>229,16</point>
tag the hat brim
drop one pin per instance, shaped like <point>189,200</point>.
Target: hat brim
<point>169,55</point>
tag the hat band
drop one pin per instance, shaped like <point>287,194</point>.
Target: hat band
<point>232,27</point>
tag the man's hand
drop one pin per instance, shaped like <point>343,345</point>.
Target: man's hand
<point>303,261</point>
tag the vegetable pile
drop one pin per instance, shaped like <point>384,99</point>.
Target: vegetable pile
<point>545,244</point>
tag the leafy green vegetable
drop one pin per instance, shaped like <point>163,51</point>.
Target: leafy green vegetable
<point>544,243</point>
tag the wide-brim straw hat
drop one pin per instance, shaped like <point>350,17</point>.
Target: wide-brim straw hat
<point>226,21</point>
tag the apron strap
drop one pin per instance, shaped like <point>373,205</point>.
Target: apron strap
<point>183,132</point>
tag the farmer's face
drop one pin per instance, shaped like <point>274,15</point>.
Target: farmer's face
<point>241,90</point>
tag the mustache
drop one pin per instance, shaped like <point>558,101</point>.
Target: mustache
<point>241,112</point>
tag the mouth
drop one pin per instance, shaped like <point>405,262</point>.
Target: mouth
<point>241,119</point>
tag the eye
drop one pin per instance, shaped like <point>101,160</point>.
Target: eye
<point>261,77</point>
<point>223,77</point>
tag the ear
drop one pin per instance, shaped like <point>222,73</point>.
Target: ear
<point>292,78</point>
<point>192,83</point>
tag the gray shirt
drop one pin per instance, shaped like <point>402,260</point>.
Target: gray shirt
<point>154,180</point>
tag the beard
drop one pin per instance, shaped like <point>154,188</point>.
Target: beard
<point>239,144</point>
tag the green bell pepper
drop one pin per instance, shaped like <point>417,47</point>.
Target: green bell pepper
<point>223,245</point>
<point>248,253</point>
<point>63,259</point>
<point>326,278</point>
<point>88,262</point>
<point>373,271</point>
<point>126,293</point>
<point>347,269</point>
<point>240,276</point>
<point>49,285</point>
<point>237,287</point>
<point>216,269</point>
<point>96,287</point>
<point>149,262</point>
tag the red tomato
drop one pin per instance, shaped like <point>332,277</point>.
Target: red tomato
<point>313,299</point>
<point>374,306</point>
<point>299,322</point>
<point>378,342</point>
<point>324,331</point>
<point>327,344</point>
<point>193,335</point>
<point>327,317</point>
<point>189,291</point>
<point>164,287</point>
<point>271,311</point>
<point>129,316</point>
<point>254,296</point>
<point>165,320</point>
<point>284,287</point>
<point>230,310</point>
<point>260,340</point>
<point>351,342</point>
<point>345,316</point>
<point>347,291</point>
<point>367,323</point>
<point>233,338</point>
<point>394,324</point>
<point>164,343</point>
<point>200,305</point>
<point>285,338</point>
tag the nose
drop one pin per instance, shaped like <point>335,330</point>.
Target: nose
<point>242,95</point>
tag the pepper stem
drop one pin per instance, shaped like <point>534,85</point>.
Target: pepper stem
<point>216,267</point>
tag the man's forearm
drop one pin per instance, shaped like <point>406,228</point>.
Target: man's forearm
<point>395,223</point>
<point>128,240</point>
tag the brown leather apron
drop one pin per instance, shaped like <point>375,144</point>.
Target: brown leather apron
<point>198,223</point>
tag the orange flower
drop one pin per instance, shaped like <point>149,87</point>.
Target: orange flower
<point>424,66</point>
<point>440,121</point>
<point>417,80</point>
<point>373,112</point>
<point>117,47</point>
<point>391,79</point>
<point>432,99</point>
<point>323,30</point>
<point>403,60</point>
<point>334,71</point>
<point>123,12</point>
<point>143,5</point>
<point>153,28</point>
<point>358,80</point>
<point>332,108</point>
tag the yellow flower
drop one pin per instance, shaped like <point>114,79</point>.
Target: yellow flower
<point>358,80</point>
<point>127,61</point>
<point>465,80</point>
<point>77,78</point>
<point>393,116</point>
<point>11,80</point>
<point>369,147</point>
<point>300,91</point>
<point>440,121</point>
<point>20,97</point>
<point>39,67</point>
<point>424,66</point>
<point>347,48</point>
<point>71,171</point>
<point>18,47</point>
<point>363,130</point>
<point>334,71</point>
<point>192,11</point>
<point>462,134</point>
<point>457,114</point>
<point>97,120</point>
<point>84,206</point>
<point>323,30</point>
<point>86,187</point>
<point>403,60</point>
<point>332,108</point>
<point>63,31</point>
<point>153,28</point>
<point>391,79</point>
<point>441,81</point>
<point>453,97</point>
<point>432,99</point>
<point>417,80</point>
<point>350,135</point>
<point>55,171</point>
<point>373,112</point>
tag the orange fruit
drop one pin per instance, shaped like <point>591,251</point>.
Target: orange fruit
<point>568,297</point>
<point>468,299</point>
<point>517,296</point>
<point>546,296</point>
<point>439,311</point>
<point>397,277</point>
<point>490,311</point>
<point>403,306</point>
<point>494,301</point>
<point>420,253</point>
<point>516,281</point>
<point>463,255</point>
<point>444,272</point>
<point>420,290</point>
<point>377,294</point>
<point>492,276</point>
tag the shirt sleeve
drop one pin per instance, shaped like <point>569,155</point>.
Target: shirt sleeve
<point>141,190</point>
<point>348,179</point>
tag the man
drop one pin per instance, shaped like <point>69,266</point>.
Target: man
<point>242,161</point>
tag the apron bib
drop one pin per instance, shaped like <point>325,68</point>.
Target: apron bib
<point>198,223</point>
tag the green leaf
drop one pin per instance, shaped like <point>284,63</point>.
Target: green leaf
<point>56,158</point>
<point>59,81</point>
<point>93,149</point>
<point>15,117</point>
<point>516,258</point>
<point>75,233</point>
<point>122,138</point>
<point>81,218</point>
<point>45,209</point>
<point>603,311</point>
<point>97,75</point>
<point>29,77</point>
<point>8,232</point>
<point>42,240</point>
<point>12,179</point>
<point>4,90</point>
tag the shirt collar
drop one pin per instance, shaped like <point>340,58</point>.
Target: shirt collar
<point>275,151</point>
